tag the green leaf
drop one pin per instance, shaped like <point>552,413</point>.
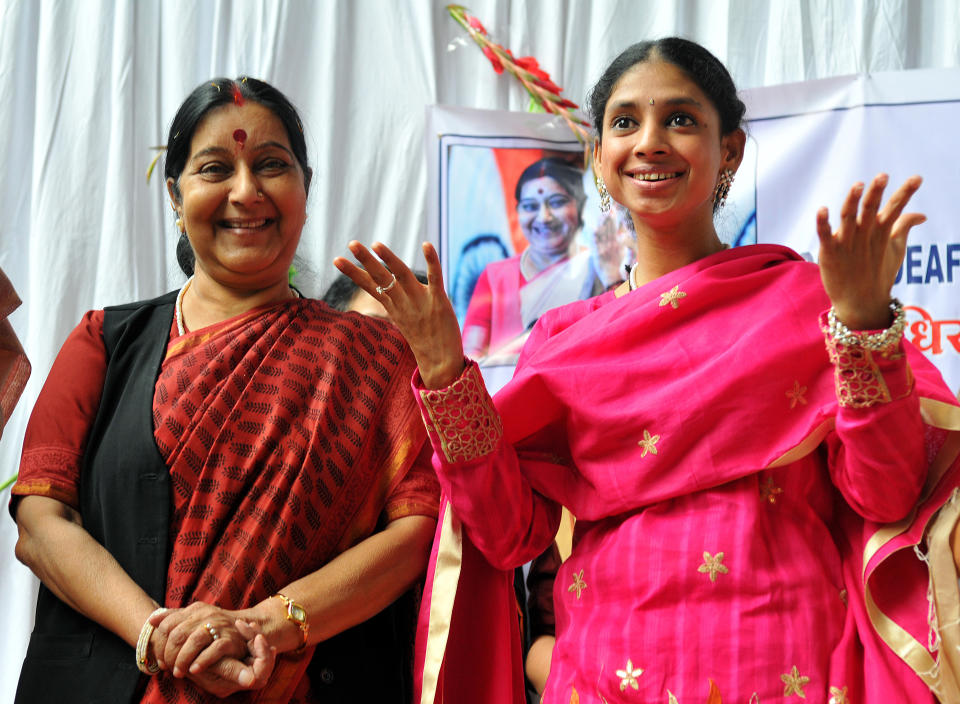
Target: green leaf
<point>535,105</point>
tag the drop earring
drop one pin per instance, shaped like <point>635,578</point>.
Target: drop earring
<point>604,195</point>
<point>722,189</point>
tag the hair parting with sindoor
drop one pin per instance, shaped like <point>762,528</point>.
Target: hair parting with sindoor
<point>211,95</point>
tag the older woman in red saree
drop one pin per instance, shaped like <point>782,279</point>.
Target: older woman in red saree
<point>745,495</point>
<point>244,457</point>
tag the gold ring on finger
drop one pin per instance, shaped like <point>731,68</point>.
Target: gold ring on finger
<point>211,630</point>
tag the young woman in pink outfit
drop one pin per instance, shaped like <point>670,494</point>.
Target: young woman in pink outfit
<point>761,468</point>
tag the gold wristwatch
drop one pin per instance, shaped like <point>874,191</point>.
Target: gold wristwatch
<point>297,614</point>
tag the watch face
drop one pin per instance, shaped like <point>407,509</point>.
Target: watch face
<point>297,613</point>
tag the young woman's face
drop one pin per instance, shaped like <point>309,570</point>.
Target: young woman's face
<point>661,151</point>
<point>243,197</point>
<point>548,215</point>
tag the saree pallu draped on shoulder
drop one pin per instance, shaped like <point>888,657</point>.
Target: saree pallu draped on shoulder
<point>698,385</point>
<point>14,367</point>
<point>285,432</point>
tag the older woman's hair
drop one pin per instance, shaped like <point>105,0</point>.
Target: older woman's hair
<point>213,94</point>
<point>563,172</point>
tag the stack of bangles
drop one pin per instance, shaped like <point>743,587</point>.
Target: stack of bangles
<point>874,341</point>
<point>146,667</point>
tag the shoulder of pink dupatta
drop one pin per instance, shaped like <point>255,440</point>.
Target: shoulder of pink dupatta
<point>742,289</point>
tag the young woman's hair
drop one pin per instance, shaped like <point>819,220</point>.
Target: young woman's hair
<point>700,65</point>
<point>209,96</point>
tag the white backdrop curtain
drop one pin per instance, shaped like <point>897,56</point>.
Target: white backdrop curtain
<point>88,86</point>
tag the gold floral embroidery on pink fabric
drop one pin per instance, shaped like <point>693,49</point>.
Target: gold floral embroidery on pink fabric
<point>671,297</point>
<point>578,584</point>
<point>838,695</point>
<point>649,443</point>
<point>859,381</point>
<point>769,491</point>
<point>671,698</point>
<point>574,697</point>
<point>628,676</point>
<point>795,395</point>
<point>713,565</point>
<point>794,683</point>
<point>464,417</point>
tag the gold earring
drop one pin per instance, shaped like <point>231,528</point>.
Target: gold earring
<point>179,224</point>
<point>604,195</point>
<point>723,188</point>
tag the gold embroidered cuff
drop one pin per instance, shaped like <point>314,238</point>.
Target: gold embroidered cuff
<point>463,417</point>
<point>859,380</point>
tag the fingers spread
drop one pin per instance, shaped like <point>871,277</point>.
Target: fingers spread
<point>375,268</point>
<point>434,270</point>
<point>396,265</point>
<point>898,201</point>
<point>848,212</point>
<point>872,200</point>
<point>823,226</point>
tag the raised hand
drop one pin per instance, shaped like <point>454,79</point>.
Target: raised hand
<point>423,314</point>
<point>859,262</point>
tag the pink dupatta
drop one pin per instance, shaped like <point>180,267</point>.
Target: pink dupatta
<point>725,344</point>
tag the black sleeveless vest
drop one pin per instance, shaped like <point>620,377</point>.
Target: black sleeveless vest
<point>125,504</point>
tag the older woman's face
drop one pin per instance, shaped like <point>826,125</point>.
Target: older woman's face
<point>243,198</point>
<point>548,215</point>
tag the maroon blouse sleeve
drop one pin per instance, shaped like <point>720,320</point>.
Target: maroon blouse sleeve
<point>57,432</point>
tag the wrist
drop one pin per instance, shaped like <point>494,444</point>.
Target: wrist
<point>289,624</point>
<point>145,659</point>
<point>873,317</point>
<point>440,376</point>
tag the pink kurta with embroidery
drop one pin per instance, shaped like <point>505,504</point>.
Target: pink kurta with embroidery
<point>721,493</point>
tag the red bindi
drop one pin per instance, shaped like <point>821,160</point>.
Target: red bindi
<point>240,136</point>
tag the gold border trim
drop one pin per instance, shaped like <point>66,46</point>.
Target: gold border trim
<point>942,676</point>
<point>939,414</point>
<point>805,446</point>
<point>446,576</point>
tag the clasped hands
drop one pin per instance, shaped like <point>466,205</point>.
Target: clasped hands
<point>238,658</point>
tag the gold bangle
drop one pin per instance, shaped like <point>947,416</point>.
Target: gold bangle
<point>297,614</point>
<point>143,664</point>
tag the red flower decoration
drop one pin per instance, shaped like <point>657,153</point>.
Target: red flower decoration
<point>476,24</point>
<point>549,85</point>
<point>544,93</point>
<point>494,59</point>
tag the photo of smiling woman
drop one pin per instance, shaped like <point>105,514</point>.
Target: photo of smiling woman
<point>512,294</point>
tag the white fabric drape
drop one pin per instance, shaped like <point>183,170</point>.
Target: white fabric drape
<point>86,88</point>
